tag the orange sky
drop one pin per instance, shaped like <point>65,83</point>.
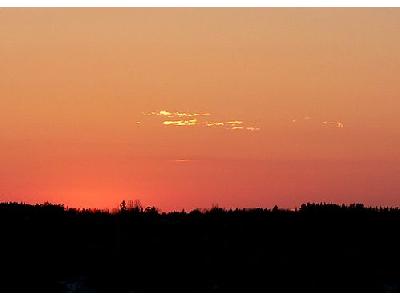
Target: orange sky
<point>100,105</point>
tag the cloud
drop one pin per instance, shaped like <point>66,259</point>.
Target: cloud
<point>209,124</point>
<point>237,127</point>
<point>178,114</point>
<point>234,122</point>
<point>191,119</point>
<point>250,128</point>
<point>166,113</point>
<point>191,122</point>
<point>182,160</point>
<point>298,120</point>
<point>253,128</point>
<point>337,124</point>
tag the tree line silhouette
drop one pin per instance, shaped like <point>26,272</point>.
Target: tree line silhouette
<point>315,248</point>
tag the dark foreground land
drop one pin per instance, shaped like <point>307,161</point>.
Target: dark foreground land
<point>319,248</point>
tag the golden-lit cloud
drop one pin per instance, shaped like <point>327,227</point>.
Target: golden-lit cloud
<point>191,122</point>
<point>250,128</point>
<point>166,113</point>
<point>237,127</point>
<point>234,122</point>
<point>209,124</point>
<point>186,119</point>
<point>178,114</point>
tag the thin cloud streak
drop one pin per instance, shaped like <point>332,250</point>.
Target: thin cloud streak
<point>337,124</point>
<point>253,128</point>
<point>209,124</point>
<point>182,160</point>
<point>184,120</point>
<point>191,122</point>
<point>234,122</point>
<point>169,114</point>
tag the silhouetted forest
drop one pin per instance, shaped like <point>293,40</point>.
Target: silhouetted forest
<point>317,248</point>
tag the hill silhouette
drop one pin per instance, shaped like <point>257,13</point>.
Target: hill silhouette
<point>317,248</point>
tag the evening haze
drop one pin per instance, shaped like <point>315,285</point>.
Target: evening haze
<point>186,108</point>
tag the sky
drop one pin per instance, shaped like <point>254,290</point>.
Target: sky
<point>189,108</point>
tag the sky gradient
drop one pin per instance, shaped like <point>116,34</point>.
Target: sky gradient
<point>185,108</point>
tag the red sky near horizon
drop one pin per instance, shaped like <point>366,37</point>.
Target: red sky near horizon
<point>185,108</point>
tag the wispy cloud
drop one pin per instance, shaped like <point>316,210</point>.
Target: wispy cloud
<point>237,127</point>
<point>234,122</point>
<point>209,124</point>
<point>191,122</point>
<point>253,128</point>
<point>169,114</point>
<point>198,119</point>
<point>337,124</point>
<point>182,160</point>
<point>244,128</point>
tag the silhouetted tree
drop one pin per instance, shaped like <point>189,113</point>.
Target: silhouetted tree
<point>122,206</point>
<point>321,247</point>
